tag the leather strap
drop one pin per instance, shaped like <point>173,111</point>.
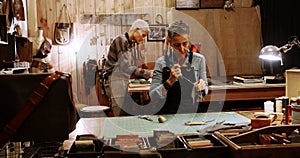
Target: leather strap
<point>32,102</point>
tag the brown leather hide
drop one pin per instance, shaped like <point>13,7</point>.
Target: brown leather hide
<point>53,119</point>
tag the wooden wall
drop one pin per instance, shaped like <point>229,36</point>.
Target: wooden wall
<point>231,39</point>
<point>92,39</point>
<point>221,43</point>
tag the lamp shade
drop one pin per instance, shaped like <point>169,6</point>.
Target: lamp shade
<point>270,52</point>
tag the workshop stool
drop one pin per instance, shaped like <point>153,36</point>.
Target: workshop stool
<point>94,111</point>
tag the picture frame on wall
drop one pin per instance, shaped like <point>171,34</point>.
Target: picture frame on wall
<point>157,32</point>
<point>187,4</point>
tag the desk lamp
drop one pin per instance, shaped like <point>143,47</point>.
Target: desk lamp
<point>271,52</point>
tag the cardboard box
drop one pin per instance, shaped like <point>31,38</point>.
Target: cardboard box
<point>292,88</point>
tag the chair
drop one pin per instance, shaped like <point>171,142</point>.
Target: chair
<point>94,111</point>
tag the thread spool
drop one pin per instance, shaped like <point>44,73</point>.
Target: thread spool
<point>268,106</point>
<point>278,105</point>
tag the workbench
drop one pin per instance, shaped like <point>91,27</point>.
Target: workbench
<point>230,92</point>
<point>234,92</point>
<point>111,126</point>
<point>107,128</point>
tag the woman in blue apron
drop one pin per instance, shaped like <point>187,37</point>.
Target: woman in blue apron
<point>179,78</point>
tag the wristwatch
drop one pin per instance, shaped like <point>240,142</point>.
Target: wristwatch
<point>167,86</point>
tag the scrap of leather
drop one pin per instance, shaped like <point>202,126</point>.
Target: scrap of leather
<point>260,122</point>
<point>239,127</point>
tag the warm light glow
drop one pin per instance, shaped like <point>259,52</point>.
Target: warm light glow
<point>270,53</point>
<point>269,57</point>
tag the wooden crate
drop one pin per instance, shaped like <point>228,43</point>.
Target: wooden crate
<point>246,145</point>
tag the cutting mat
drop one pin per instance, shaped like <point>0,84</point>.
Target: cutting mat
<point>175,123</point>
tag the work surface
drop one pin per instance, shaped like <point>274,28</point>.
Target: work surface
<point>110,127</point>
<point>231,92</point>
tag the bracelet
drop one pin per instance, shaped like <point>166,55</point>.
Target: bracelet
<point>167,86</point>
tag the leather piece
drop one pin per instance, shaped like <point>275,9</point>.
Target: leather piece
<point>260,122</point>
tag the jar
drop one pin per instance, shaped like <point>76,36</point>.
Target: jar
<point>268,106</point>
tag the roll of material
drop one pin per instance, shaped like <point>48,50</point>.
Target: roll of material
<point>84,142</point>
<point>84,145</point>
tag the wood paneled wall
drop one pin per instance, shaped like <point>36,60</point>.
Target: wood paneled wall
<point>231,39</point>
<point>223,45</point>
<point>92,40</point>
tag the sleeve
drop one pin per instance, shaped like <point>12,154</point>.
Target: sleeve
<point>119,57</point>
<point>127,67</point>
<point>202,68</point>
<point>156,90</point>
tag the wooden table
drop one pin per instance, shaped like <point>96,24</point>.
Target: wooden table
<point>245,92</point>
<point>233,92</point>
<point>142,89</point>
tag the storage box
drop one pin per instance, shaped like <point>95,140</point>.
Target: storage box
<point>86,145</point>
<point>292,88</point>
<point>248,145</point>
<point>243,3</point>
<point>183,149</point>
<point>212,3</point>
<point>178,148</point>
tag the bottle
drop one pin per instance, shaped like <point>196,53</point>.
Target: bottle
<point>37,42</point>
<point>288,114</point>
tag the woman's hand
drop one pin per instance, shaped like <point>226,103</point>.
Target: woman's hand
<point>200,85</point>
<point>175,72</point>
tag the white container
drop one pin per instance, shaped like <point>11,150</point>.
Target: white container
<point>268,106</point>
<point>278,105</point>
